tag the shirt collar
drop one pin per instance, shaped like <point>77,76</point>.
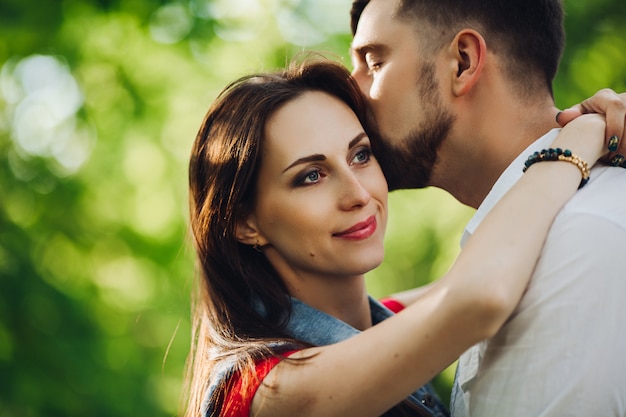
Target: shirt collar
<point>318,328</point>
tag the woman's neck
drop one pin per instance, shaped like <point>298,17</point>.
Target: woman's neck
<point>344,298</point>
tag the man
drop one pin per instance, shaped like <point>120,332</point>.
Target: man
<point>461,94</point>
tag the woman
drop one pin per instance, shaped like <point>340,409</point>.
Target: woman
<point>288,211</point>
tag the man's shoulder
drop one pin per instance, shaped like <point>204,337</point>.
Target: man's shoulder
<point>595,217</point>
<point>603,196</point>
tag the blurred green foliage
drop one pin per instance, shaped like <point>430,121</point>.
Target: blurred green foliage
<point>99,103</point>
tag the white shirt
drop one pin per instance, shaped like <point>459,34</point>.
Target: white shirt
<point>563,350</point>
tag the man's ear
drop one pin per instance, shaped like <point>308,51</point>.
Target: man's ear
<point>469,51</point>
<point>247,232</point>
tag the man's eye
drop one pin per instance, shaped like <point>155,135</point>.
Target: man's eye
<point>372,63</point>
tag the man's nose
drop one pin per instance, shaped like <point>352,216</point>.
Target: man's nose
<point>363,80</point>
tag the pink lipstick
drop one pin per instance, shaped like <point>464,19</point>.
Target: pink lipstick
<point>359,231</point>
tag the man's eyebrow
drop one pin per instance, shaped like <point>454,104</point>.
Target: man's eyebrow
<point>319,157</point>
<point>367,47</point>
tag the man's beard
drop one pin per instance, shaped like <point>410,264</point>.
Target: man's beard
<point>409,164</point>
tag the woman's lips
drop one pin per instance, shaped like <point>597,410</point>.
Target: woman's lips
<point>359,231</point>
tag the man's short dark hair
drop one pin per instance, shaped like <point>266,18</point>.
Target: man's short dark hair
<point>528,34</point>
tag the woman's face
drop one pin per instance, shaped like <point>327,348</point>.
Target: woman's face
<point>321,206</point>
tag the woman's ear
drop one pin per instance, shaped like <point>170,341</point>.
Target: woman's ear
<point>469,52</point>
<point>247,232</point>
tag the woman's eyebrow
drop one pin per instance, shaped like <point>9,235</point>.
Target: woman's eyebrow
<point>356,140</point>
<point>319,157</point>
<point>305,159</point>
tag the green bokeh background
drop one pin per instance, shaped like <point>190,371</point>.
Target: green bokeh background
<point>99,103</point>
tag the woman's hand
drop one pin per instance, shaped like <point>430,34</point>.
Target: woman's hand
<point>613,105</point>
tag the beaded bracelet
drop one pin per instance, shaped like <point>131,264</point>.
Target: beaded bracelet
<point>559,154</point>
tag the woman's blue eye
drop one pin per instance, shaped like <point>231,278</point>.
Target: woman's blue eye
<point>363,155</point>
<point>312,176</point>
<point>308,178</point>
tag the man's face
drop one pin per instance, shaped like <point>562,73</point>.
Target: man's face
<point>401,86</point>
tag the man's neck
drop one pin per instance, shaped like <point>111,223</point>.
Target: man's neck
<point>483,144</point>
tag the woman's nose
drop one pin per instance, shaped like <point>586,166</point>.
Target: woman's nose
<point>353,193</point>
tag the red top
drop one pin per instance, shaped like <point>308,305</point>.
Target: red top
<point>236,404</point>
<point>393,305</point>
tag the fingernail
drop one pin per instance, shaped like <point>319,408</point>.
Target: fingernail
<point>557,117</point>
<point>613,143</point>
<point>617,160</point>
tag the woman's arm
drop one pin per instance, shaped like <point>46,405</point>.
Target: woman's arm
<point>371,372</point>
<point>605,102</point>
<point>408,297</point>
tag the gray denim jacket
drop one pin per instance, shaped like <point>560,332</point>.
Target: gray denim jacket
<point>318,328</point>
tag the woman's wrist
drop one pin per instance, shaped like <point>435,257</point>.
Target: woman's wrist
<point>585,138</point>
<point>560,155</point>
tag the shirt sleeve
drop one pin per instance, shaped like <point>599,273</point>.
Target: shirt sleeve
<point>237,403</point>
<point>392,304</point>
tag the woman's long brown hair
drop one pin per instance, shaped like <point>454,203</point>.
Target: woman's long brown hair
<point>235,281</point>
